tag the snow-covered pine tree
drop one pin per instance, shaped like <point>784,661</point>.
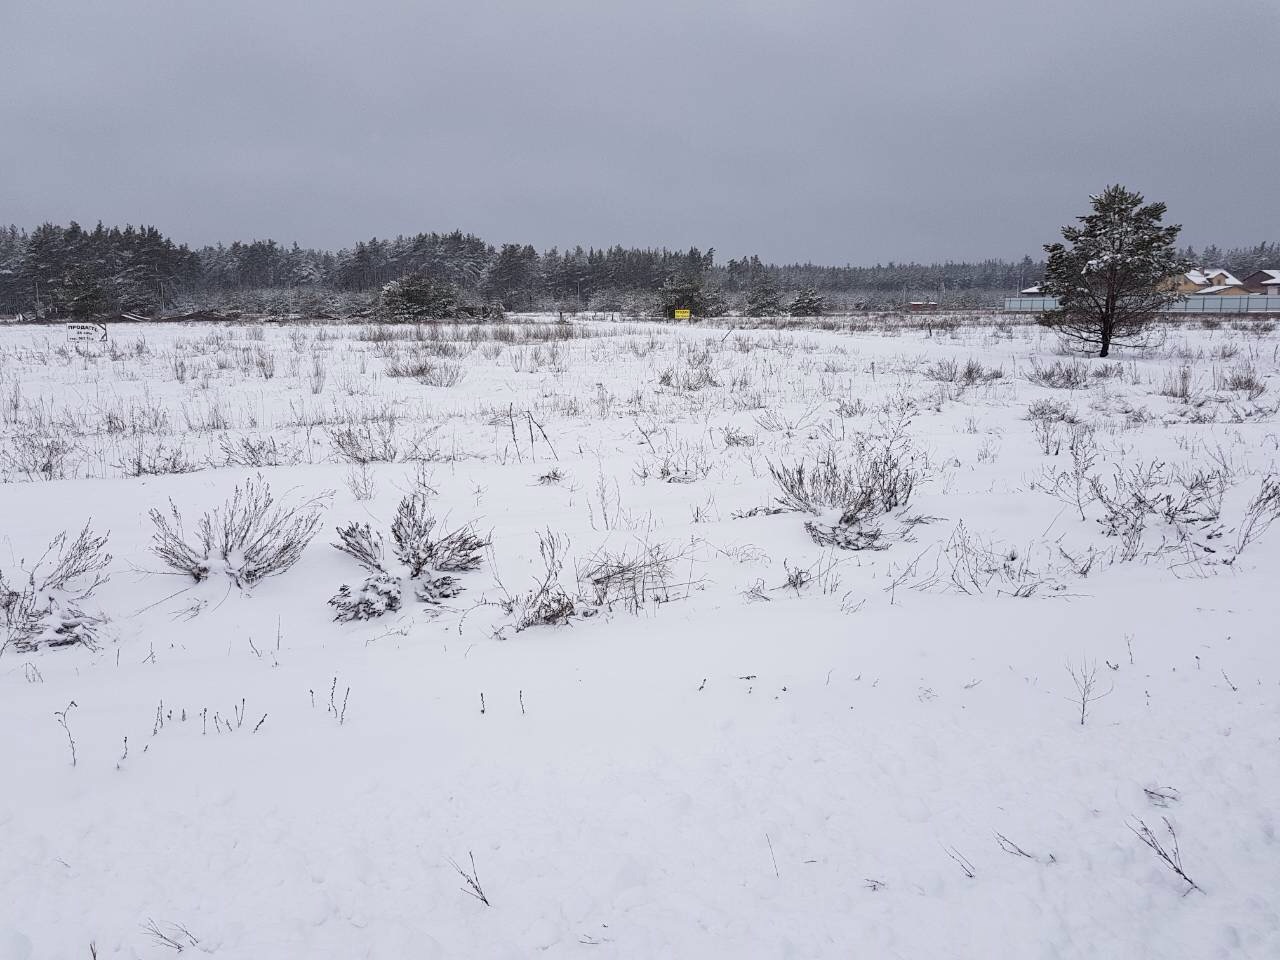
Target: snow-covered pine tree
<point>418,297</point>
<point>763,299</point>
<point>807,303</point>
<point>1115,271</point>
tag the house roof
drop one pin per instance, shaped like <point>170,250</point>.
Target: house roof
<point>1269,277</point>
<point>1207,278</point>
<point>1222,277</point>
<point>1216,288</point>
<point>1030,291</point>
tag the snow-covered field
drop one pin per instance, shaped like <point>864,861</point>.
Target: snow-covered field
<point>731,740</point>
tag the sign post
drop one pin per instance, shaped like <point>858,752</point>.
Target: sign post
<point>683,313</point>
<point>86,333</point>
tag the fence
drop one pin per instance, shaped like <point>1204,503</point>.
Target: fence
<point>1193,304</point>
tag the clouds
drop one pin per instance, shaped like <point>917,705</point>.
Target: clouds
<point>823,130</point>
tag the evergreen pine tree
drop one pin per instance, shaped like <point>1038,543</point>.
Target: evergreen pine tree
<point>1114,272</point>
<point>807,304</point>
<point>763,299</point>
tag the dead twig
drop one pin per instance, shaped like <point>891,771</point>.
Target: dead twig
<point>1172,858</point>
<point>472,879</point>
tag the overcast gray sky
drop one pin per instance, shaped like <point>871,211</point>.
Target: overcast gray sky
<point>826,130</point>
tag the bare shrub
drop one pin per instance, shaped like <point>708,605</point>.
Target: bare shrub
<point>319,373</point>
<point>1052,410</point>
<point>547,603</point>
<point>971,564</point>
<point>944,371</point>
<point>250,537</point>
<point>1048,435</point>
<point>973,372</point>
<point>1107,371</point>
<point>694,373</point>
<point>154,459</point>
<point>637,574</point>
<point>264,362</point>
<point>1242,377</point>
<point>1261,512</point>
<point>677,462</point>
<point>256,452</point>
<point>46,610</point>
<point>819,485</point>
<point>39,458</point>
<point>1177,385</point>
<point>879,478</point>
<point>360,481</point>
<point>1074,486</point>
<point>774,420</point>
<point>428,371</point>
<point>371,441</point>
<point>1152,491</point>
<point>1059,375</point>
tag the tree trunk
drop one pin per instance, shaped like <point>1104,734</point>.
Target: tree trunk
<point>1106,337</point>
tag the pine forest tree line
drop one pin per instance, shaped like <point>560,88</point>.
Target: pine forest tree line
<point>57,271</point>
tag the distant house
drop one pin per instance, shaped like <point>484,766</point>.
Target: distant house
<point>1031,291</point>
<point>1263,281</point>
<point>1214,283</point>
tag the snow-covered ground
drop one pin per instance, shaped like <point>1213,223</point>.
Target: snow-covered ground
<point>755,746</point>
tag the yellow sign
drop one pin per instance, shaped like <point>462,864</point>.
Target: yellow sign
<point>683,313</point>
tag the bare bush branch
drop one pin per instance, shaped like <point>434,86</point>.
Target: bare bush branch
<point>251,536</point>
<point>1171,856</point>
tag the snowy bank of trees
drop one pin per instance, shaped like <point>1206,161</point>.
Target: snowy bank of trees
<point>56,271</point>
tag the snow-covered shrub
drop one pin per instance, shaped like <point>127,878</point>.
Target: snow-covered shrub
<point>1053,410</point>
<point>456,551</point>
<point>46,610</point>
<point>881,480</point>
<point>248,538</point>
<point>358,541</point>
<point>428,560</point>
<point>377,596</point>
<point>877,478</point>
<point>819,485</point>
<point>846,537</point>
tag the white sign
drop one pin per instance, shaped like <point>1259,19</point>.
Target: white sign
<point>86,333</point>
